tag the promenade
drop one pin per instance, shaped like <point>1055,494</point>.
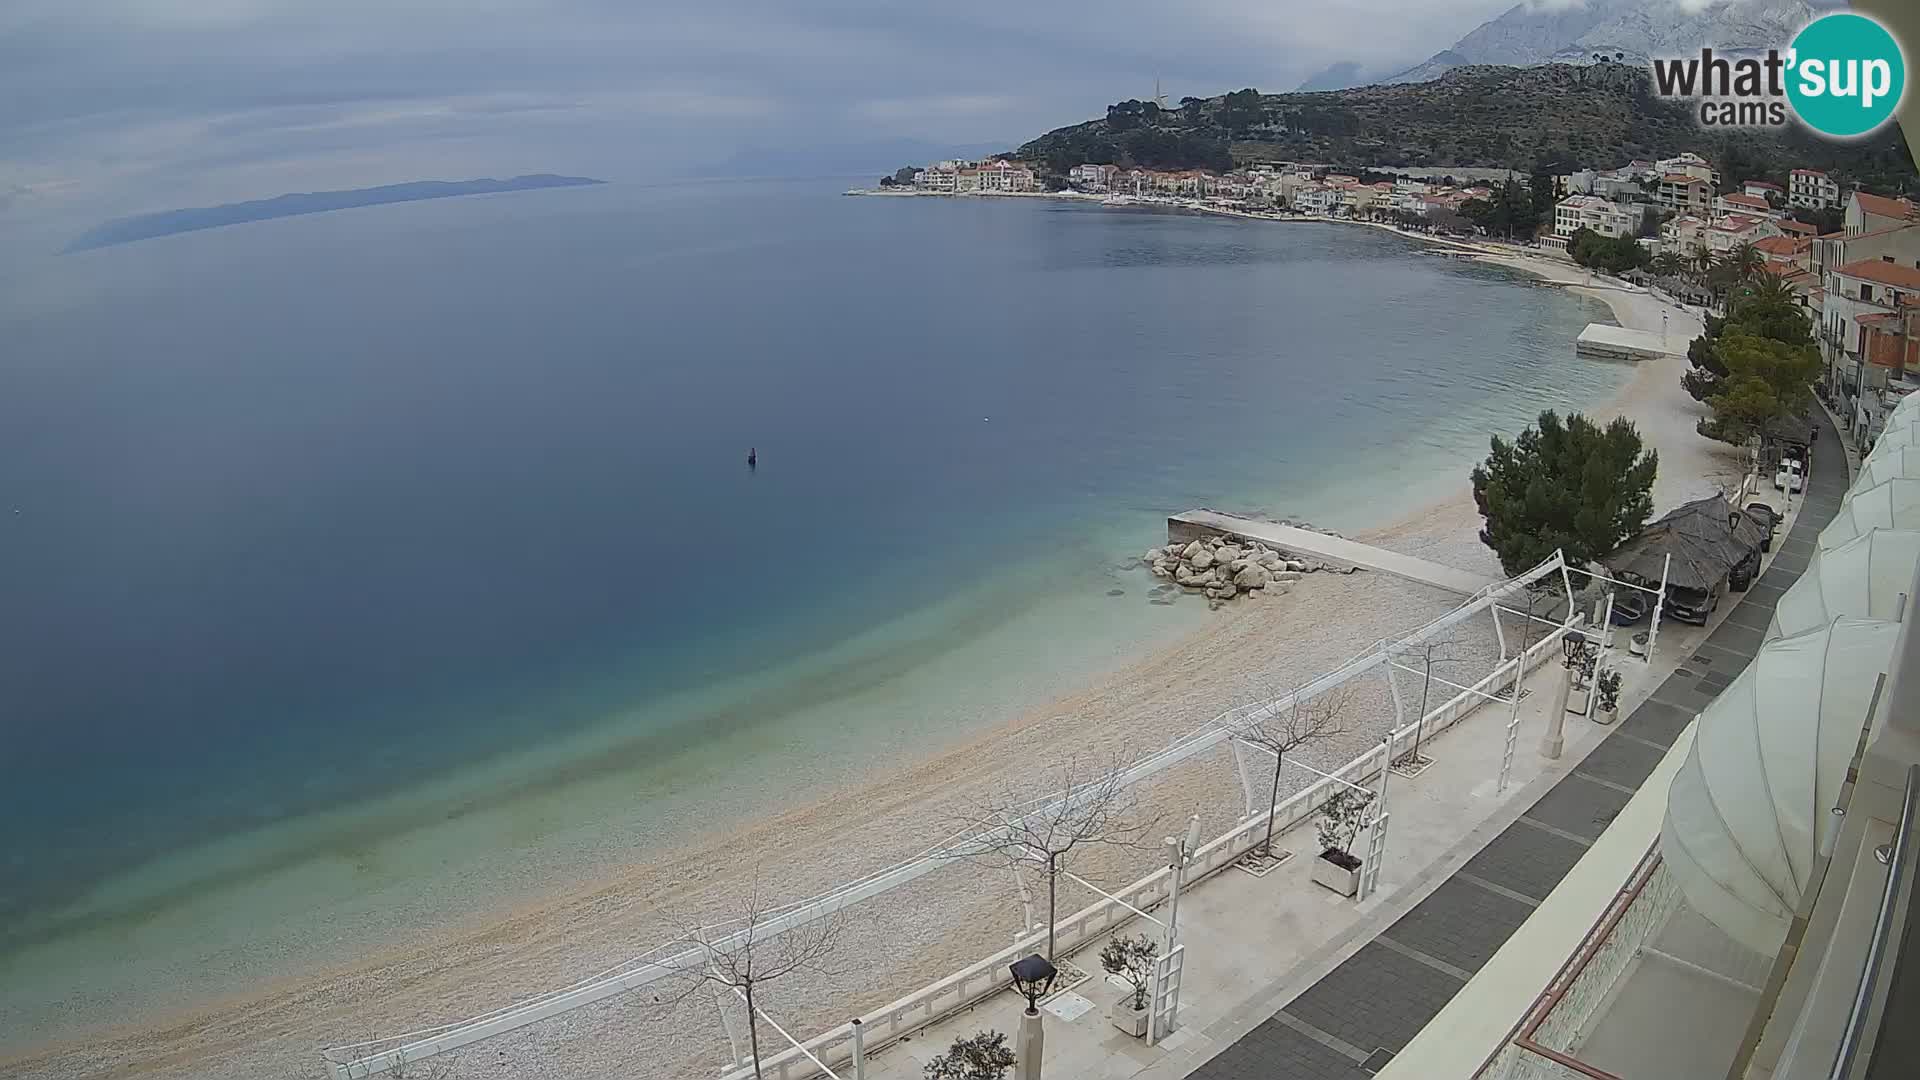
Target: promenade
<point>1287,981</point>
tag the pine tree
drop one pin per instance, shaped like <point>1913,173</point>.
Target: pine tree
<point>1573,487</point>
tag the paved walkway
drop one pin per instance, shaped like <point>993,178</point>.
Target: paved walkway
<point>1334,549</point>
<point>1350,1023</point>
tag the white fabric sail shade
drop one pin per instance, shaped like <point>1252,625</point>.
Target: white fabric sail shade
<point>1864,577</point>
<point>1894,504</point>
<point>1745,812</point>
<point>1900,463</point>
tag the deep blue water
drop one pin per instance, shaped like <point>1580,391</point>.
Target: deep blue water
<point>296,513</point>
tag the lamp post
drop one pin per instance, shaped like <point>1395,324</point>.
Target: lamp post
<point>1032,977</point>
<point>1574,645</point>
<point>1179,853</point>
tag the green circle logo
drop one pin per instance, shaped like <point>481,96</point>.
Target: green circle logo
<point>1847,75</point>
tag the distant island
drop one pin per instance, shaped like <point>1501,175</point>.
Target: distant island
<point>167,222</point>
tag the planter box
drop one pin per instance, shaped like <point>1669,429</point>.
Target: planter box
<point>1127,1018</point>
<point>1333,876</point>
<point>1605,716</point>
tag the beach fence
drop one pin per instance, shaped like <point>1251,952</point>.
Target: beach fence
<point>830,1050</point>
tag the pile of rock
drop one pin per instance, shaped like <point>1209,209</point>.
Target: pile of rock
<point>1224,568</point>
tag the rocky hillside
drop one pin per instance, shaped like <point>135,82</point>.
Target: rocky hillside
<point>1630,30</point>
<point>1557,116</point>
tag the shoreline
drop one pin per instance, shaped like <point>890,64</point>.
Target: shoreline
<point>544,942</point>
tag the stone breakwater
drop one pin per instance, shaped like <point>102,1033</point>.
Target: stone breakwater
<point>1224,568</point>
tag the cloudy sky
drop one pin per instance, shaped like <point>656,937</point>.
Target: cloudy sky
<point>121,105</point>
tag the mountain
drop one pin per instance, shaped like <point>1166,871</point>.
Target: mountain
<point>1629,30</point>
<point>1558,116</point>
<point>1338,76</point>
<point>167,222</point>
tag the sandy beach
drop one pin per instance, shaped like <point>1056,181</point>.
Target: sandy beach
<point>887,814</point>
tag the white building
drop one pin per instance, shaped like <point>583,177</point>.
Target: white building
<point>1607,218</point>
<point>1092,177</point>
<point>1684,192</point>
<point>1812,188</point>
<point>1745,203</point>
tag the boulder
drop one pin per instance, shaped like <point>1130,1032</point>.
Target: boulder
<point>1152,556</point>
<point>1251,577</point>
<point>1296,566</point>
<point>1227,589</point>
<point>1286,575</point>
<point>1202,559</point>
<point>1228,553</point>
<point>1160,570</point>
<point>1192,549</point>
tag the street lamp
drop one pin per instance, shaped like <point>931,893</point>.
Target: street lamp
<point>1032,978</point>
<point>1574,645</point>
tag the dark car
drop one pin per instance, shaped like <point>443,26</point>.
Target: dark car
<point>1692,605</point>
<point>1630,606</point>
<point>1765,515</point>
<point>1742,574</point>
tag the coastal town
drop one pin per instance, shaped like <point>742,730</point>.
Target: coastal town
<point>1849,256</point>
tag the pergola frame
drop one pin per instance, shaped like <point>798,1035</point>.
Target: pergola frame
<point>358,1061</point>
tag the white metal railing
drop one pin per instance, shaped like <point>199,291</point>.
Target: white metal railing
<point>938,1000</point>
<point>358,1061</point>
<point>1883,931</point>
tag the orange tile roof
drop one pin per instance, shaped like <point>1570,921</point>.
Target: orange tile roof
<point>1768,184</point>
<point>1808,172</point>
<point>1753,201</point>
<point>1681,178</point>
<point>1792,226</point>
<point>1780,245</point>
<point>1885,273</point>
<point>1881,206</point>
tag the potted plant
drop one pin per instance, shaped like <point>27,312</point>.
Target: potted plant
<point>1341,817</point>
<point>983,1055</point>
<point>1132,959</point>
<point>1582,688</point>
<point>1609,689</point>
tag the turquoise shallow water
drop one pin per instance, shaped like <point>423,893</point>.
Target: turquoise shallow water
<point>363,554</point>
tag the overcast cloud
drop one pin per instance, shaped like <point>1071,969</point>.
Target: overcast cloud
<point>112,106</point>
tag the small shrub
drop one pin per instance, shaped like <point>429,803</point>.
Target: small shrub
<point>1341,817</point>
<point>1132,959</point>
<point>982,1055</point>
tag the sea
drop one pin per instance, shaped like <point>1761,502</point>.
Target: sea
<point>363,569</point>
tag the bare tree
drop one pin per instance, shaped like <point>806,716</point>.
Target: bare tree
<point>1281,731</point>
<point>1090,808</point>
<point>744,955</point>
<point>1444,651</point>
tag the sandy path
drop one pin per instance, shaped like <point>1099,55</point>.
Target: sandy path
<point>912,935</point>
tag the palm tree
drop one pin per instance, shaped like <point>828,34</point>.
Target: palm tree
<point>1744,261</point>
<point>1703,261</point>
<point>1669,264</point>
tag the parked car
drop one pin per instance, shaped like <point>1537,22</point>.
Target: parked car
<point>1743,572</point>
<point>1630,606</point>
<point>1788,478</point>
<point>1768,516</point>
<point>1694,606</point>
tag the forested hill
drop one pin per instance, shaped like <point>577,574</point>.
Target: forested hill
<point>1556,116</point>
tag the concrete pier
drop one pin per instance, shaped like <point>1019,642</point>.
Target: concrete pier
<point>1600,341</point>
<point>1319,547</point>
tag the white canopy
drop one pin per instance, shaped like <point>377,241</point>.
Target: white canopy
<point>1863,577</point>
<point>1894,504</point>
<point>1902,462</point>
<point>1902,432</point>
<point>1769,755</point>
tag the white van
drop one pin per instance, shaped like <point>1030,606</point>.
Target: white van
<point>1788,478</point>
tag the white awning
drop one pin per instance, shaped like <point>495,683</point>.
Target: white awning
<point>1864,577</point>
<point>1894,504</point>
<point>1905,432</point>
<point>1745,812</point>
<point>1900,463</point>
